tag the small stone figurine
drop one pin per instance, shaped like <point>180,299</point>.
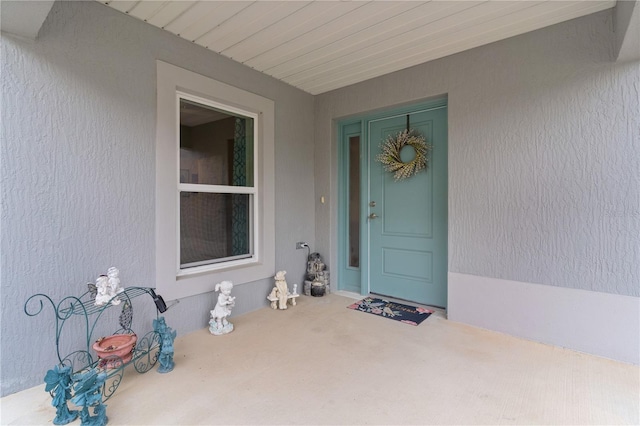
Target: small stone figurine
<point>58,384</point>
<point>282,291</point>
<point>167,336</point>
<point>280,295</point>
<point>273,298</point>
<point>114,283</point>
<point>218,324</point>
<point>108,287</point>
<point>317,276</point>
<point>102,288</point>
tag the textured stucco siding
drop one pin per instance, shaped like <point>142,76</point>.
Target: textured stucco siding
<point>544,140</point>
<point>78,172</point>
<point>544,155</point>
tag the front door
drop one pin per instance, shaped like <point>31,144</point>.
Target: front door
<point>407,219</point>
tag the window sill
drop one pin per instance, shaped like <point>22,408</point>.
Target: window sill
<point>219,267</point>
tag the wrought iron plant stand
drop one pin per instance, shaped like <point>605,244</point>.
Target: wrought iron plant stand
<point>65,379</point>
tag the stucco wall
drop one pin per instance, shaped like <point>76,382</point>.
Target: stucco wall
<point>78,172</point>
<point>544,156</point>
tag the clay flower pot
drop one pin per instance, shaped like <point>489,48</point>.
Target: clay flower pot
<point>120,345</point>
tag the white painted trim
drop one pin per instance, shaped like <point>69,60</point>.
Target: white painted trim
<point>216,189</point>
<point>170,80</point>
<point>601,324</point>
<point>349,294</point>
<point>255,200</point>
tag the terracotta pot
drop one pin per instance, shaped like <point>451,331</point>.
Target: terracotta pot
<point>119,344</point>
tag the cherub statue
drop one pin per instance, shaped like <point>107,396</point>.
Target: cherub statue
<point>114,283</point>
<point>108,287</point>
<point>218,324</point>
<point>167,335</point>
<point>282,291</point>
<point>102,290</point>
<point>58,384</point>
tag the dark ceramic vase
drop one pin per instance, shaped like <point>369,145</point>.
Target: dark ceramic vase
<point>317,289</point>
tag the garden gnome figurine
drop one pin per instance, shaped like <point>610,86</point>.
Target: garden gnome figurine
<point>218,324</point>
<point>281,289</point>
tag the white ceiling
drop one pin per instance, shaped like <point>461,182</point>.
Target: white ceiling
<point>319,46</point>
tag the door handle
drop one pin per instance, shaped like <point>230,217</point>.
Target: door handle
<point>373,216</point>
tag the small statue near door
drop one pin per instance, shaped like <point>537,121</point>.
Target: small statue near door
<point>218,324</point>
<point>280,294</point>
<point>282,291</point>
<point>317,278</point>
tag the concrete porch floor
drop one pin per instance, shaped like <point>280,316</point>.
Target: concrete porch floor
<point>320,363</point>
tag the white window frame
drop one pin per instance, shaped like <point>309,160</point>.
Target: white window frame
<point>222,189</point>
<point>172,282</point>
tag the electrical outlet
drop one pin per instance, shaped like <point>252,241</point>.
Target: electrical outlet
<point>301,245</point>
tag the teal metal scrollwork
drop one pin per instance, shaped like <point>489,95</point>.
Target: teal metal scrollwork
<point>79,371</point>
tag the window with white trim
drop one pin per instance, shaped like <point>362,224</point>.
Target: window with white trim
<point>214,184</point>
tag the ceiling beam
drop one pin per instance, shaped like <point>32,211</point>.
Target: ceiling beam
<point>627,29</point>
<point>23,18</point>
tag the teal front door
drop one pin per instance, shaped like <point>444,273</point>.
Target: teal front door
<point>407,219</point>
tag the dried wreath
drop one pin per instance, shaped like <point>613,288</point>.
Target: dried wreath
<point>390,156</point>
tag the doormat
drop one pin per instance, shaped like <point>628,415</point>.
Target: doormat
<point>397,311</point>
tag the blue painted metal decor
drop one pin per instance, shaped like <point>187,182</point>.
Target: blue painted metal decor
<point>58,384</point>
<point>108,370</point>
<point>167,335</point>
<point>87,389</point>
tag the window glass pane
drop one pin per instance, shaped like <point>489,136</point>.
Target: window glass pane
<point>214,227</point>
<point>216,147</point>
<point>354,201</point>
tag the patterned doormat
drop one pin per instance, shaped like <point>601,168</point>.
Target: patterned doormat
<point>396,311</point>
